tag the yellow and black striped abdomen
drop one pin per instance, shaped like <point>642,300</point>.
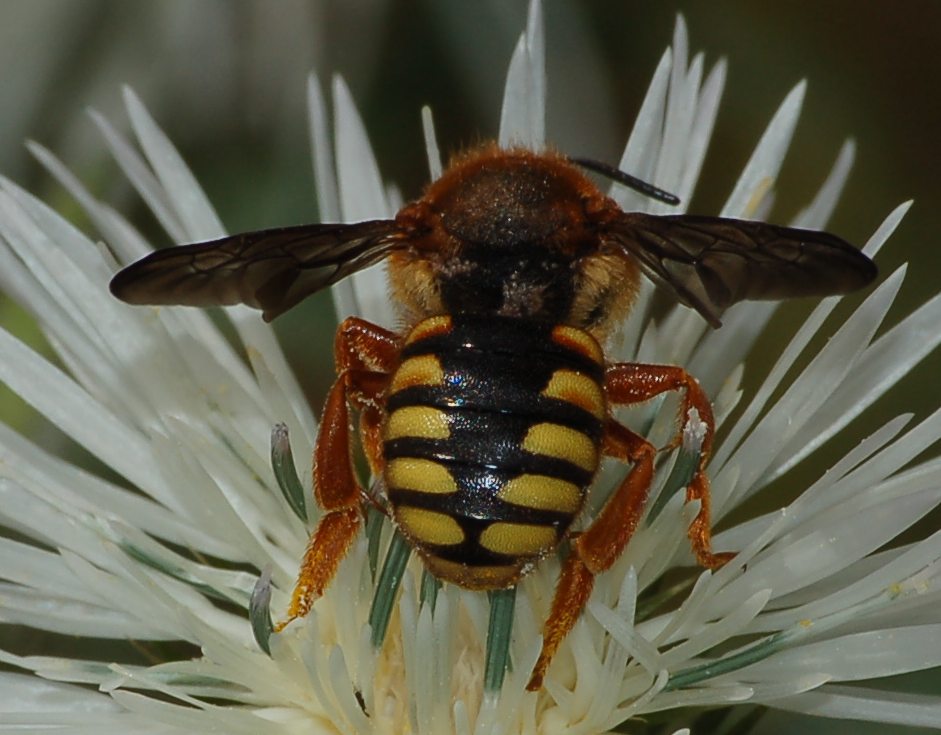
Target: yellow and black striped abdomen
<point>492,437</point>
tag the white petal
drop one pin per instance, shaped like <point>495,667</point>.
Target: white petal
<point>880,468</point>
<point>681,109</point>
<point>141,177</point>
<point>811,390</point>
<point>362,197</point>
<point>831,542</point>
<point>235,586</point>
<point>882,365</point>
<point>677,116</point>
<point>706,108</point>
<point>708,696</point>
<point>22,694</point>
<point>861,656</point>
<point>858,703</point>
<point>69,407</point>
<point>29,704</point>
<point>747,531</point>
<point>87,325</point>
<point>714,633</point>
<point>299,419</point>
<point>435,168</point>
<point>325,175</point>
<point>615,660</point>
<point>31,566</point>
<point>643,145</point>
<point>52,521</point>
<point>843,591</point>
<point>522,118</point>
<point>797,344</point>
<point>205,501</point>
<point>122,329</point>
<point>189,203</point>
<point>134,599</point>
<point>774,689</point>
<point>765,163</point>
<point>432,666</point>
<point>60,277</point>
<point>818,212</point>
<point>45,610</point>
<point>237,721</point>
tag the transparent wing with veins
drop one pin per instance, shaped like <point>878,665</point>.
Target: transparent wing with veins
<point>271,270</point>
<point>710,263</point>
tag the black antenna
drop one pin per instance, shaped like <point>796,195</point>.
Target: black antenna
<point>632,182</point>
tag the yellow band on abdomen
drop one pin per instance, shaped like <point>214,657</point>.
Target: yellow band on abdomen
<point>428,526</point>
<point>421,475</point>
<point>555,440</point>
<point>542,493</point>
<point>578,389</point>
<point>417,421</point>
<point>518,539</point>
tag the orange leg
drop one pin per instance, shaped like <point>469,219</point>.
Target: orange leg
<point>634,383</point>
<point>361,345</point>
<point>365,346</point>
<point>601,544</point>
<point>365,355</point>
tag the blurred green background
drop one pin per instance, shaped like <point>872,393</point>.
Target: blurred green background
<point>226,80</point>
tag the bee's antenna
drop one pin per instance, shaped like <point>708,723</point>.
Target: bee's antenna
<point>632,182</point>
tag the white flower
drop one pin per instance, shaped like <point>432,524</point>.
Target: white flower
<point>167,544</point>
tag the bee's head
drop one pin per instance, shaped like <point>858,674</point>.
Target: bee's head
<point>503,232</point>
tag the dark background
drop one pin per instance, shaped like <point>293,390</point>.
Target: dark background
<point>226,80</point>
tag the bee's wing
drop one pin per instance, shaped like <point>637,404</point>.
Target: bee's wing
<point>271,270</point>
<point>713,262</point>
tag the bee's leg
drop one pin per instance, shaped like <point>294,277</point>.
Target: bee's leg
<point>633,383</point>
<point>365,354</point>
<point>602,542</point>
<point>365,346</point>
<point>370,434</point>
<point>337,492</point>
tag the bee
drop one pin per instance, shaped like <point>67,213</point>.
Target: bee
<point>487,415</point>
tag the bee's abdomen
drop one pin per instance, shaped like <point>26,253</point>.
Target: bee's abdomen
<point>492,438</point>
